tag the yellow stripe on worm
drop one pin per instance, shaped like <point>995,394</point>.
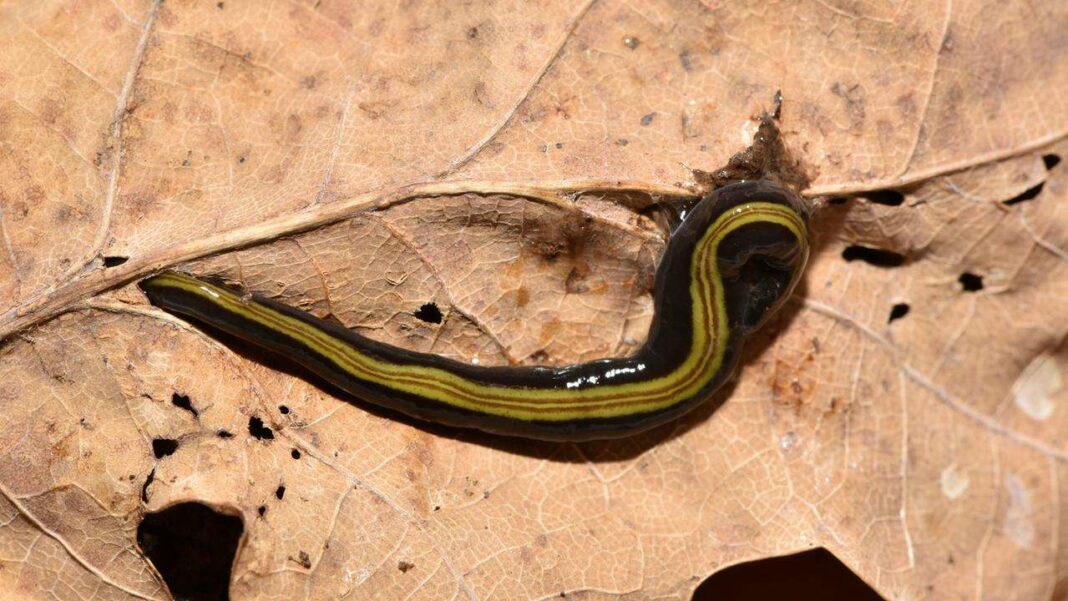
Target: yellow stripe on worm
<point>730,263</point>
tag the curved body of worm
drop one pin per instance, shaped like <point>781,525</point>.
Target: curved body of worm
<point>731,262</point>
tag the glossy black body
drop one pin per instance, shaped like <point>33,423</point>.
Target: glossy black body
<point>758,263</point>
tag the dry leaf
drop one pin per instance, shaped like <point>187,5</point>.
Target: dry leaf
<point>907,411</point>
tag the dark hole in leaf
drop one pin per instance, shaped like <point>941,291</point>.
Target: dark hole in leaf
<point>280,491</point>
<point>891,198</point>
<point>812,575</point>
<point>1051,160</point>
<point>971,282</point>
<point>148,482</point>
<point>283,410</point>
<point>429,313</point>
<point>162,447</point>
<point>193,549</point>
<point>873,256</point>
<point>182,402</point>
<point>838,200</point>
<point>262,509</point>
<point>1026,195</point>
<point>224,434</point>
<point>115,261</point>
<point>898,311</point>
<point>258,430</point>
<point>295,454</point>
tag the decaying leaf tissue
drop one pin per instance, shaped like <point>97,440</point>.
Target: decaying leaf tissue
<point>575,299</point>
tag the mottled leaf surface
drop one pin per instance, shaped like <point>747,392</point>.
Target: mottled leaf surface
<point>498,162</point>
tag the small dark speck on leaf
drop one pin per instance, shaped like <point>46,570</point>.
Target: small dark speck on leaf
<point>262,509</point>
<point>890,198</point>
<point>1028,194</point>
<point>404,566</point>
<point>280,491</point>
<point>873,256</point>
<point>631,42</point>
<point>224,434</point>
<point>647,119</point>
<point>148,482</point>
<point>429,313</point>
<point>162,447</point>
<point>898,311</point>
<point>686,61</point>
<point>258,430</point>
<point>970,282</point>
<point>182,401</point>
<point>295,454</point>
<point>283,410</point>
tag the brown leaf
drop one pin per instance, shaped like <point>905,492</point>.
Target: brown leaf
<point>376,163</point>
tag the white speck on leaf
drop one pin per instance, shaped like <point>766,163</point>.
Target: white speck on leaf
<point>787,440</point>
<point>954,481</point>
<point>1034,389</point>
<point>1019,525</point>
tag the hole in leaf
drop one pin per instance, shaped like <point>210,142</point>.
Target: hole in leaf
<point>891,198</point>
<point>182,402</point>
<point>812,575</point>
<point>193,548</point>
<point>258,430</point>
<point>873,256</point>
<point>295,454</point>
<point>970,282</point>
<point>148,482</point>
<point>1026,195</point>
<point>898,311</point>
<point>429,313</point>
<point>1051,160</point>
<point>162,447</point>
<point>262,509</point>
<point>115,261</point>
<point>280,491</point>
<point>224,434</point>
<point>283,410</point>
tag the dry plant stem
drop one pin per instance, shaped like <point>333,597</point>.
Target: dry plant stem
<point>908,178</point>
